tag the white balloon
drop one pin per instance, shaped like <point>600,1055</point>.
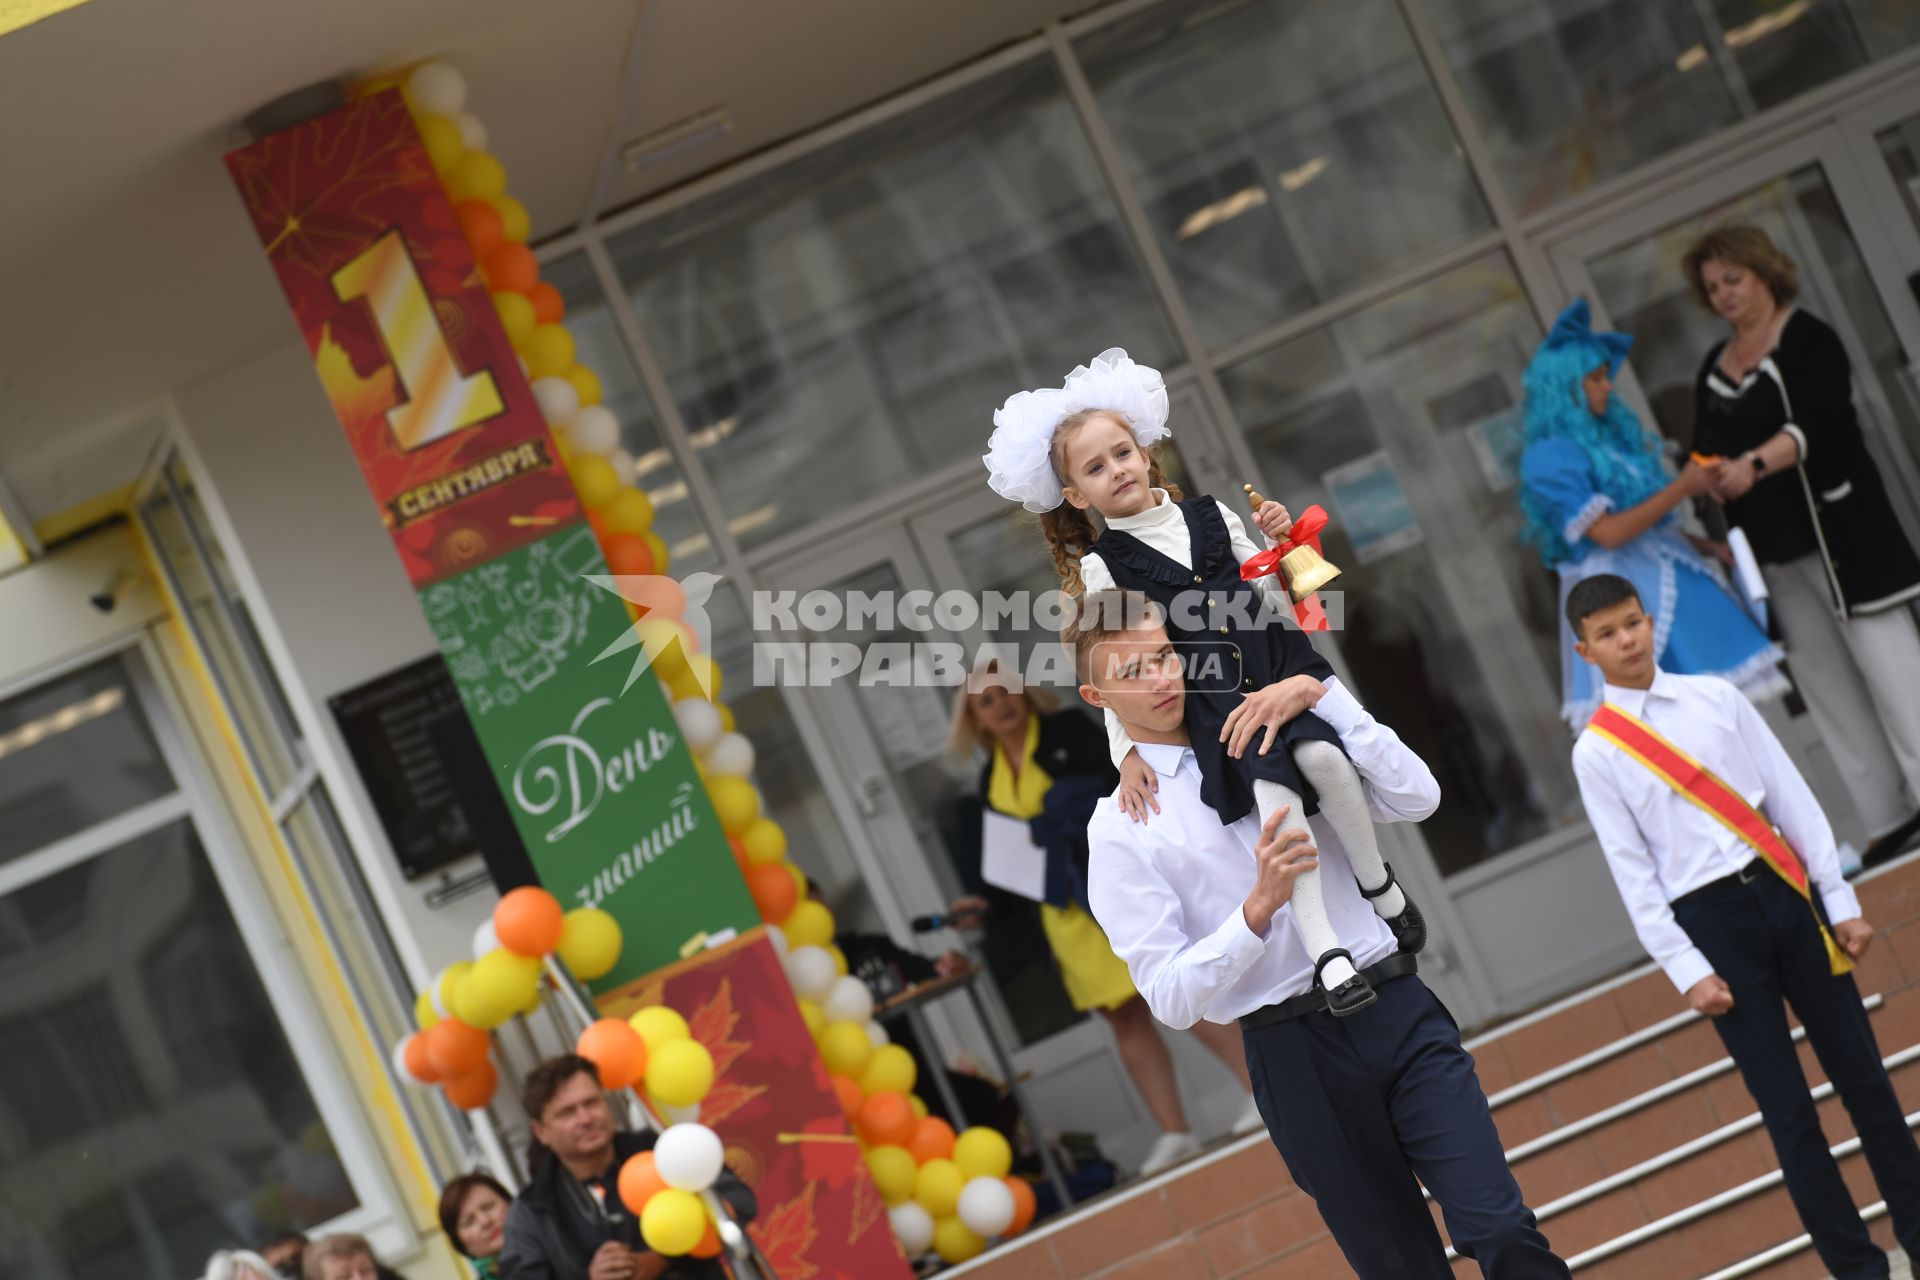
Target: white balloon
<point>812,972</point>
<point>484,938</point>
<point>399,1061</point>
<point>439,1005</point>
<point>986,1207</point>
<point>913,1226</point>
<point>731,756</point>
<point>778,937</point>
<point>689,1156</point>
<point>877,1035</point>
<point>700,723</point>
<point>848,1000</point>
<point>594,430</point>
<point>622,463</point>
<point>472,132</point>
<point>558,401</point>
<point>437,87</point>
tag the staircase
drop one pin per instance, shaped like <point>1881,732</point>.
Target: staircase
<point>1627,1126</point>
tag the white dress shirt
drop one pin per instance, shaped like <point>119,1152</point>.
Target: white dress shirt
<point>1660,845</point>
<point>1163,527</point>
<point>1169,891</point>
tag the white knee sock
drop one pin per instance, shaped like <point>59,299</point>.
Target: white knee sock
<point>1344,805</point>
<point>1309,908</point>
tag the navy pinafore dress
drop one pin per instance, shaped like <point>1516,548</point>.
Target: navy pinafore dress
<point>1223,601</point>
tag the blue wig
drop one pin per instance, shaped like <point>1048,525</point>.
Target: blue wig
<point>1625,456</point>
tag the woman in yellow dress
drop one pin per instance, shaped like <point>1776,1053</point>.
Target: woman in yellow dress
<point>1031,744</point>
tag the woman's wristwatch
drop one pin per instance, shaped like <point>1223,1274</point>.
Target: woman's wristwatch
<point>1759,463</point>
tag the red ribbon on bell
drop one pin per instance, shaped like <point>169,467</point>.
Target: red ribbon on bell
<point>1305,532</point>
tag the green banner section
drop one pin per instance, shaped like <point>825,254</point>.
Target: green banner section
<point>601,788</point>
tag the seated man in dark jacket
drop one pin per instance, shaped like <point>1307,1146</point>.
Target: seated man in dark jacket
<point>569,1223</point>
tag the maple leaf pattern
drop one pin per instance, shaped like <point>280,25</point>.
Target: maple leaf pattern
<point>725,1099</point>
<point>786,1234</point>
<point>868,1209</point>
<point>712,1024</point>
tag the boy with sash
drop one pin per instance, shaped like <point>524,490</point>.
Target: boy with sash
<point>1728,869</point>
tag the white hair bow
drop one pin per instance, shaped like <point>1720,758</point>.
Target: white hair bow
<point>1019,457</point>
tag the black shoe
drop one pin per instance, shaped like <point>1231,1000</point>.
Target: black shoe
<point>1409,927</point>
<point>1351,996</point>
<point>1891,845</point>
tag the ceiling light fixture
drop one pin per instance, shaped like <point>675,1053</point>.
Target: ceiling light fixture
<point>67,717</point>
<point>1765,25</point>
<point>1212,215</point>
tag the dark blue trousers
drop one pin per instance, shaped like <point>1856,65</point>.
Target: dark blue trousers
<point>1763,939</point>
<point>1362,1106</point>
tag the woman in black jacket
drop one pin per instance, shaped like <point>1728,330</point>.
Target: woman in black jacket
<point>1046,766</point>
<point>1774,407</point>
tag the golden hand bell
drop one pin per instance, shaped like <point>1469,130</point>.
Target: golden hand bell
<point>1303,569</point>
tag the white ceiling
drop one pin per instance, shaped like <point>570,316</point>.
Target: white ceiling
<point>127,269</point>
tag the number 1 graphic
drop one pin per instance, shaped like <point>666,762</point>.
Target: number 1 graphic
<point>437,399</point>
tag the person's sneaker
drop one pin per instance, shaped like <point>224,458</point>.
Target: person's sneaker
<point>1169,1149</point>
<point>1249,1120</point>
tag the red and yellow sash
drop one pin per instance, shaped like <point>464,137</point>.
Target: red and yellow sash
<point>1699,784</point>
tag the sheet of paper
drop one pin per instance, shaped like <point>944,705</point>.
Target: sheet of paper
<point>1010,860</point>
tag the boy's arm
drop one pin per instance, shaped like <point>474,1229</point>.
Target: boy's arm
<point>1631,862</point>
<point>1179,976</point>
<point>1792,808</point>
<point>1399,786</point>
<point>1244,550</point>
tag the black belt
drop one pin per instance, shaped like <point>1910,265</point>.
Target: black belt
<point>1745,875</point>
<point>1315,1001</point>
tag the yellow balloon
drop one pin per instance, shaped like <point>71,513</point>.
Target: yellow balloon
<point>667,642</point>
<point>442,139</point>
<point>657,545</point>
<point>549,351</point>
<point>810,925</point>
<point>726,716</point>
<point>673,1221</point>
<point>982,1153</point>
<point>679,1072</point>
<point>423,1014</point>
<point>586,383</point>
<point>799,882</point>
<point>814,1017</point>
<point>658,1024</point>
<point>953,1241</point>
<point>701,679</point>
<point>893,1173</point>
<point>516,316</point>
<point>630,512</point>
<point>764,842</point>
<point>515,225</point>
<point>477,175</point>
<point>839,958</point>
<point>446,988</point>
<point>594,479</point>
<point>736,805</point>
<point>919,1105</point>
<point>890,1070</point>
<point>499,986</point>
<point>937,1187</point>
<point>589,943</point>
<point>844,1047</point>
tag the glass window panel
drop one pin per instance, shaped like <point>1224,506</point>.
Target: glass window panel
<point>601,349</point>
<point>73,752</point>
<point>1645,294</point>
<point>1785,47</point>
<point>226,635</point>
<point>846,323</point>
<point>1567,95</point>
<point>1404,420</point>
<point>1900,148</point>
<point>153,1110</point>
<point>1286,150</point>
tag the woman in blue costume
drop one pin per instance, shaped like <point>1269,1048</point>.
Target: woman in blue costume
<point>1598,499</point>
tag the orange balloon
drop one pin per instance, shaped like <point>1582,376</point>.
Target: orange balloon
<point>932,1140</point>
<point>850,1096</point>
<point>744,863</point>
<point>455,1048</point>
<point>627,555</point>
<point>709,1246</point>
<point>418,1064</point>
<point>480,222</point>
<point>1023,1204</point>
<point>616,1051</point>
<point>473,1090</point>
<point>887,1119</point>
<point>773,891</point>
<point>528,921</point>
<point>512,268</point>
<point>548,306</point>
<point>639,1179</point>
